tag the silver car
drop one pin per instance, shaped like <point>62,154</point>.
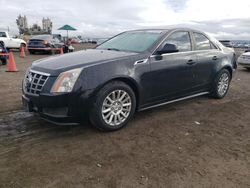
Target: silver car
<point>244,60</point>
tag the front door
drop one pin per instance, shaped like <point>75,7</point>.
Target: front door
<point>172,74</point>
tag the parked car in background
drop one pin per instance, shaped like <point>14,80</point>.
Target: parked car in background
<point>11,43</point>
<point>244,60</point>
<point>227,43</point>
<point>133,71</point>
<point>44,43</point>
<point>74,41</point>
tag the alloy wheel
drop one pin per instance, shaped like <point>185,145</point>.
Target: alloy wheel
<point>116,107</point>
<point>223,84</point>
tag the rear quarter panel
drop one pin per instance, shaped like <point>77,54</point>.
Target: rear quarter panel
<point>227,60</point>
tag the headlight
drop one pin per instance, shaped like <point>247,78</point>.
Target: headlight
<point>66,81</point>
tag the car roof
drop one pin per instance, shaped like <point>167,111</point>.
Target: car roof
<point>166,30</point>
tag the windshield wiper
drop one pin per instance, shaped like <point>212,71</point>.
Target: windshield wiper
<point>115,49</point>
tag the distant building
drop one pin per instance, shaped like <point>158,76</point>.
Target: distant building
<point>22,24</point>
<point>47,25</point>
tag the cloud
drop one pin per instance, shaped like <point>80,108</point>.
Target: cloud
<point>98,18</point>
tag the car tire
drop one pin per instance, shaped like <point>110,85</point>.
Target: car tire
<point>4,61</point>
<point>31,52</point>
<point>248,69</point>
<point>51,52</point>
<point>113,106</point>
<point>221,84</point>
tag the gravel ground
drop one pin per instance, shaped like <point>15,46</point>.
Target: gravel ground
<point>201,142</point>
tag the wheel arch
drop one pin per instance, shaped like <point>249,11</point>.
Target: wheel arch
<point>229,68</point>
<point>127,80</point>
<point>22,43</point>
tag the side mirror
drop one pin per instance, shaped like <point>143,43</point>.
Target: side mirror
<point>168,48</point>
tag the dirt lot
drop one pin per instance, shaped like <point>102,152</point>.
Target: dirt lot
<point>201,142</point>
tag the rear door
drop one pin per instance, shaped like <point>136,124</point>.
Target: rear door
<point>208,56</point>
<point>172,75</point>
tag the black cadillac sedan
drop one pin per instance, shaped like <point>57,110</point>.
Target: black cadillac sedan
<point>133,71</point>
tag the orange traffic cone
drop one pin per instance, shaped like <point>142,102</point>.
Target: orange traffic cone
<point>22,52</point>
<point>11,64</point>
<point>61,50</point>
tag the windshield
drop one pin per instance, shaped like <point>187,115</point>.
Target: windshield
<point>42,37</point>
<point>136,41</point>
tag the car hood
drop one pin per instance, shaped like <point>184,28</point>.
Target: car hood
<point>19,40</point>
<point>57,64</point>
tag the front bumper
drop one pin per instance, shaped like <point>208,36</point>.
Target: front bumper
<point>40,48</point>
<point>69,108</point>
<point>244,62</point>
<point>247,65</point>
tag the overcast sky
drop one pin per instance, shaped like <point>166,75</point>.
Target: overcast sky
<point>103,18</point>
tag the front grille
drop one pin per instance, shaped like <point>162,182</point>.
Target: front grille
<point>34,82</point>
<point>35,42</point>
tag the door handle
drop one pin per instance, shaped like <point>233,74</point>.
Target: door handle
<point>191,62</point>
<point>214,58</point>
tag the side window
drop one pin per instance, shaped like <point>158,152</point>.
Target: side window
<point>3,34</point>
<point>181,39</point>
<point>202,42</point>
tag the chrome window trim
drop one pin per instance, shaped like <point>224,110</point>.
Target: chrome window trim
<point>190,35</point>
<point>167,54</point>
